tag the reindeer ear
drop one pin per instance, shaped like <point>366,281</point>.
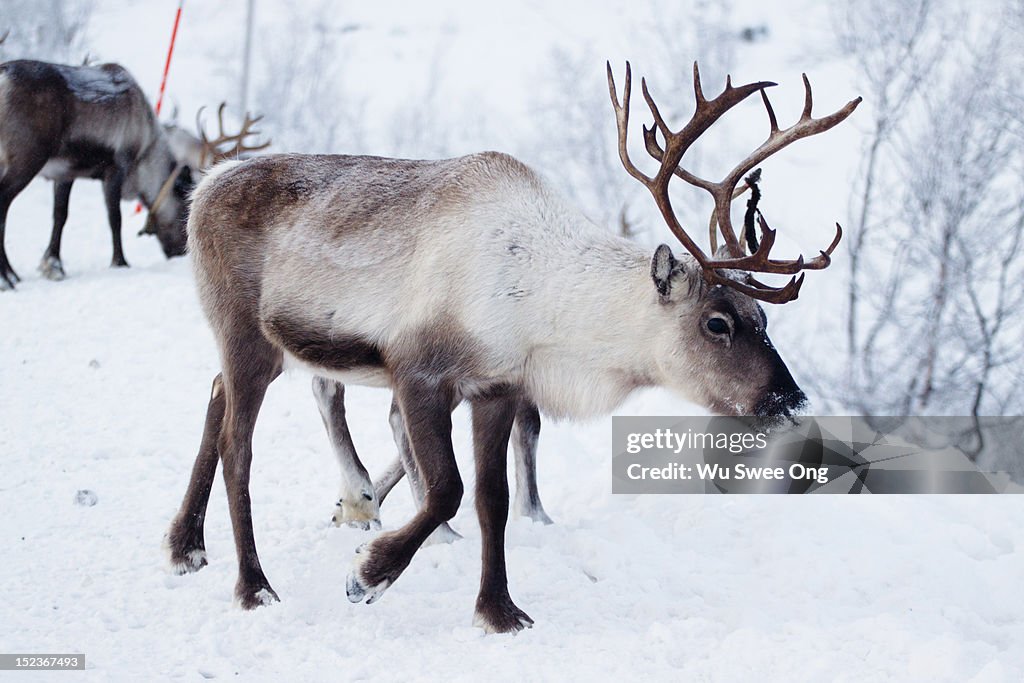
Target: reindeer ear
<point>662,266</point>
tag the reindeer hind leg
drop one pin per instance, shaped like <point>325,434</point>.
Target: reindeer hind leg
<point>357,505</point>
<point>443,533</point>
<point>251,363</point>
<point>525,434</point>
<point>184,541</point>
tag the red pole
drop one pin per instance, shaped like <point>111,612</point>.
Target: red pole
<point>170,52</point>
<point>167,68</point>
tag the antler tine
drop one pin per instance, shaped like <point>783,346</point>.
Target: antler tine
<point>808,98</point>
<point>622,121</point>
<point>658,120</point>
<point>772,121</point>
<point>220,120</point>
<point>698,92</point>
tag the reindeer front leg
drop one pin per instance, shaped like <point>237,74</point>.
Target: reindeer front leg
<point>426,410</point>
<point>51,266</point>
<point>112,183</point>
<point>492,425</point>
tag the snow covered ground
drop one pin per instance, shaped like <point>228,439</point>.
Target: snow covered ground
<point>103,386</point>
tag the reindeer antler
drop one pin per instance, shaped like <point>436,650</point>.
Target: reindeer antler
<point>212,151</point>
<point>677,143</point>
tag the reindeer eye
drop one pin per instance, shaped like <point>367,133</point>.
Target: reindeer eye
<point>717,326</point>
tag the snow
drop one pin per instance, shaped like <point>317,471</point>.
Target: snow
<point>103,388</point>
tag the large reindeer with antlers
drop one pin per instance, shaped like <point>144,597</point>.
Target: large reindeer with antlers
<point>70,122</point>
<point>470,279</point>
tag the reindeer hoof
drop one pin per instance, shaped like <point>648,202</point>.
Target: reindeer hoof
<point>536,514</point>
<point>251,598</point>
<point>52,268</point>
<point>8,278</point>
<point>185,548</point>
<point>358,588</point>
<point>360,511</point>
<point>189,562</point>
<point>500,615</point>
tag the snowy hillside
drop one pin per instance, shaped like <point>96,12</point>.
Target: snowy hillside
<point>104,380</point>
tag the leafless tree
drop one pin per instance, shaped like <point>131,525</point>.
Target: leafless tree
<point>50,30</point>
<point>934,306</point>
<point>895,47</point>
<point>302,85</point>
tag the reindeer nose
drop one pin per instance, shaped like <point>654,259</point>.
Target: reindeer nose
<point>782,396</point>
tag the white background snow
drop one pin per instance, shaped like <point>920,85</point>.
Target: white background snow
<point>104,380</point>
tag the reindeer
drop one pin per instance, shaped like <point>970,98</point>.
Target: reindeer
<point>469,278</point>
<point>69,122</point>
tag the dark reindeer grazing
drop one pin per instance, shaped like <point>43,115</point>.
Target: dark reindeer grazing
<point>69,122</point>
<point>470,279</point>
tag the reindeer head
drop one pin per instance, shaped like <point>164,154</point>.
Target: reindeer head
<point>715,347</point>
<point>168,214</point>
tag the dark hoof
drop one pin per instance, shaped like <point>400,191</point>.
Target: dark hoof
<point>363,583</point>
<point>8,278</point>
<point>188,562</point>
<point>118,263</point>
<point>185,549</point>
<point>253,597</point>
<point>52,268</point>
<point>500,615</point>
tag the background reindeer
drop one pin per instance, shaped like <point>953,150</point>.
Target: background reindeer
<point>503,292</point>
<point>69,122</point>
